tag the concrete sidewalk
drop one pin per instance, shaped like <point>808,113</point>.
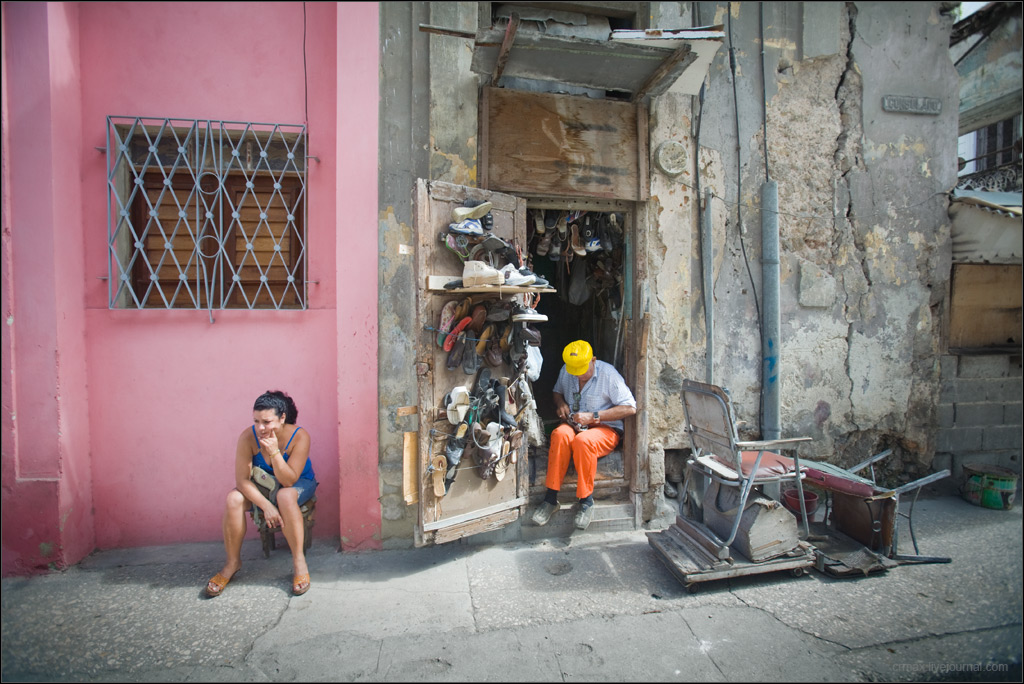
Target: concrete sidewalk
<point>586,607</point>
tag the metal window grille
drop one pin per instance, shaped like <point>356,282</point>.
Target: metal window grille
<point>206,214</point>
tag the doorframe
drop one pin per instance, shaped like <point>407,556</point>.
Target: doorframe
<point>637,469</point>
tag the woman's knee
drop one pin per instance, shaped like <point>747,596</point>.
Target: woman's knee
<point>287,497</point>
<point>236,499</point>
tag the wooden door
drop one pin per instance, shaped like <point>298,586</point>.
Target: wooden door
<point>471,504</point>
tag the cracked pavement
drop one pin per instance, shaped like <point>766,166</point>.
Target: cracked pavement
<point>587,607</point>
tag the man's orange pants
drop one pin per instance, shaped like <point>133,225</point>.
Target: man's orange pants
<point>583,449</point>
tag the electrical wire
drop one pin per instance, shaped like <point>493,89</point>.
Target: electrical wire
<point>305,71</point>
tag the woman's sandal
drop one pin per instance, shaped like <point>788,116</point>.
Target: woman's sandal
<point>219,581</point>
<point>298,581</point>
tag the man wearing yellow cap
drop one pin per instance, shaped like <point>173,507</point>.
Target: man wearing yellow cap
<point>592,398</point>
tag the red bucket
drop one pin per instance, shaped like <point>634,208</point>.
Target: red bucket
<point>791,500</point>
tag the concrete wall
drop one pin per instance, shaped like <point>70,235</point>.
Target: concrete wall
<point>120,425</point>
<point>863,226</point>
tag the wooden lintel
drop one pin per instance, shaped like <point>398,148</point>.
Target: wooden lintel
<point>666,67</point>
<point>506,48</point>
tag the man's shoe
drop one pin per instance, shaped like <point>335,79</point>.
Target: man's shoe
<point>543,514</point>
<point>583,518</point>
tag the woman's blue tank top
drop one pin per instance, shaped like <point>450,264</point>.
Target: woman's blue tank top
<point>259,461</point>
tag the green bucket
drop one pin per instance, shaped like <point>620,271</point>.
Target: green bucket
<point>990,486</point>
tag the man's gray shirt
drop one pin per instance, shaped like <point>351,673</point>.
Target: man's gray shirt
<point>604,390</point>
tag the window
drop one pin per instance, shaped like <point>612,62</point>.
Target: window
<point>206,214</point>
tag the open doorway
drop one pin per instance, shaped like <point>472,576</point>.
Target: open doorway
<point>582,250</point>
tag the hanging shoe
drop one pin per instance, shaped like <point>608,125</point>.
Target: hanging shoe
<point>539,226</point>
<point>550,219</point>
<point>447,321</point>
<point>485,336</point>
<point>604,234</point>
<point>574,240</point>
<point>472,210</point>
<point>467,227</point>
<point>562,225</point>
<point>544,243</point>
<point>555,253</point>
<point>458,244</point>
<point>457,352</point>
<point>470,359</point>
<point>591,242</point>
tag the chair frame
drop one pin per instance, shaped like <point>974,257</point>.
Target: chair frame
<point>718,451</point>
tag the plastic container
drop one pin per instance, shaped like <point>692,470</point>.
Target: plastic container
<point>791,500</point>
<point>989,486</point>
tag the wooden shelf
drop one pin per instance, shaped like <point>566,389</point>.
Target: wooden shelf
<point>437,284</point>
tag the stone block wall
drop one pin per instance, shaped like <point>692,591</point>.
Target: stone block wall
<point>979,413</point>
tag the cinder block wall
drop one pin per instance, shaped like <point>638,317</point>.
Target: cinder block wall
<point>979,413</point>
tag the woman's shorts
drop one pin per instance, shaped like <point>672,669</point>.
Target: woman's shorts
<point>305,487</point>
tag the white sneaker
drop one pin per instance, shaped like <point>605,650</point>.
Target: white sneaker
<point>525,313</point>
<point>516,279</point>
<point>476,273</point>
<point>467,227</point>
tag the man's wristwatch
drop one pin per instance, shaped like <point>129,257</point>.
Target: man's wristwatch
<point>597,417</point>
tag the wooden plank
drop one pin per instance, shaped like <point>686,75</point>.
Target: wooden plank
<point>410,453</point>
<point>477,526</point>
<point>643,153</point>
<point>436,283</point>
<point>985,306</point>
<point>465,517</point>
<point>550,145</point>
<point>665,75</point>
<point>482,138</point>
<point>506,48</point>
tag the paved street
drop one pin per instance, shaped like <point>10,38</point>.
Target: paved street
<point>588,607</point>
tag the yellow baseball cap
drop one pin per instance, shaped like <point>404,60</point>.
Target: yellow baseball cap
<point>577,356</point>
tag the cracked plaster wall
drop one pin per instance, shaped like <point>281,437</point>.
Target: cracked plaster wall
<point>863,233</point>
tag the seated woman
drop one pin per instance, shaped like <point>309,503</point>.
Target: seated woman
<point>274,415</point>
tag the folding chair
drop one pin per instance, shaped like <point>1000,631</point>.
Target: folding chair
<point>718,453</point>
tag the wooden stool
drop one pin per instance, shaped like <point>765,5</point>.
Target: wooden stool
<point>267,537</point>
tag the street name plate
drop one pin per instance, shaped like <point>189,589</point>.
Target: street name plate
<point>910,104</point>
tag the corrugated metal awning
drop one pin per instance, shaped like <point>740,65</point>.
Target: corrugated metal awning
<point>643,63</point>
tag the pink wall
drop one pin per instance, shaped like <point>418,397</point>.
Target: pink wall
<point>358,78</point>
<point>46,466</point>
<point>167,391</point>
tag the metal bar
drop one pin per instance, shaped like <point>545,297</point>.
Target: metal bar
<point>771,347</point>
<point>873,459</point>
<point>707,270</point>
<point>917,484</point>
